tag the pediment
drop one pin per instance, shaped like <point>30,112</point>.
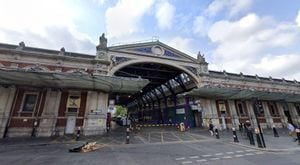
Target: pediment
<point>154,49</point>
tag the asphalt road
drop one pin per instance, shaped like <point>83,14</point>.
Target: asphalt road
<point>209,151</point>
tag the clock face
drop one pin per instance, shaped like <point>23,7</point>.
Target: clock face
<point>157,50</point>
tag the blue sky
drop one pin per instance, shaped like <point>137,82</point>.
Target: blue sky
<point>250,36</point>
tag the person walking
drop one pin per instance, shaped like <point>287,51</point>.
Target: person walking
<point>291,129</point>
<point>211,128</point>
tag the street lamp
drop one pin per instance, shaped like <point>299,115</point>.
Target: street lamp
<point>258,107</point>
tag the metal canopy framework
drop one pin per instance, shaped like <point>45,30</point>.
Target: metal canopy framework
<point>159,75</point>
<point>71,81</point>
<point>233,93</point>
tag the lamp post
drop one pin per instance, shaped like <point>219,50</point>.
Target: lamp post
<point>256,109</point>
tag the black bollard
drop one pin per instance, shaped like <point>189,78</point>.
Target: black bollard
<point>217,133</point>
<point>275,131</point>
<point>127,135</point>
<point>235,138</point>
<point>78,134</point>
<point>250,136</point>
<point>298,135</point>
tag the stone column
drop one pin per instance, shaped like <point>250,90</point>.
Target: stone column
<point>95,115</point>
<point>233,112</point>
<point>269,118</point>
<point>282,115</point>
<point>49,115</point>
<point>6,100</point>
<point>293,112</point>
<point>212,111</point>
<point>251,114</point>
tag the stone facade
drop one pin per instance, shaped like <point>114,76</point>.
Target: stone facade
<point>224,98</point>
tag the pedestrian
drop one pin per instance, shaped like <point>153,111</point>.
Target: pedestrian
<point>211,128</point>
<point>291,129</point>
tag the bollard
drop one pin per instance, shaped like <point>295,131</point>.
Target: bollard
<point>275,131</point>
<point>298,135</point>
<point>235,138</point>
<point>250,136</point>
<point>127,135</point>
<point>78,134</point>
<point>217,133</point>
<point>259,144</point>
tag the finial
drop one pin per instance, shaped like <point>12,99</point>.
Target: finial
<point>62,51</point>
<point>21,46</point>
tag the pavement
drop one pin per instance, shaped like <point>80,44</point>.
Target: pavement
<point>160,135</point>
<point>275,144</point>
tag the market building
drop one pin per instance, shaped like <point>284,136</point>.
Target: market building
<point>47,92</point>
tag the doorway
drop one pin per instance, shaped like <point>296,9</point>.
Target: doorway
<point>71,122</point>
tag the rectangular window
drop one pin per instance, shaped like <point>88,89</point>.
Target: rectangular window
<point>241,110</point>
<point>273,109</point>
<point>29,102</point>
<point>222,107</point>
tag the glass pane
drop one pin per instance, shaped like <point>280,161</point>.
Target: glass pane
<point>29,102</point>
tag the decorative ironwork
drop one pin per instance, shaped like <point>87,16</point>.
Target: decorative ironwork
<point>170,54</point>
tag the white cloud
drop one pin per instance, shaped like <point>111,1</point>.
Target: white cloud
<point>182,44</point>
<point>298,18</point>
<point>164,15</point>
<point>246,41</point>
<point>100,2</point>
<point>286,65</point>
<point>124,18</point>
<point>47,24</point>
<point>233,6</point>
<point>201,26</point>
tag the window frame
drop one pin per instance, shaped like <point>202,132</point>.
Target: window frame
<point>273,104</point>
<point>23,102</point>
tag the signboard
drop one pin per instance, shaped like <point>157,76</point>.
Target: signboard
<point>222,107</point>
<point>180,111</point>
<point>73,101</point>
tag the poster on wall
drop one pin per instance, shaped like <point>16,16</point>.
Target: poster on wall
<point>73,103</point>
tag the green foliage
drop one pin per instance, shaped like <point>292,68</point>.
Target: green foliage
<point>120,111</point>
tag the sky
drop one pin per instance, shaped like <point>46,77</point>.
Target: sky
<point>249,36</point>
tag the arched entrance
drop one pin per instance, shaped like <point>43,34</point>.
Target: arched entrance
<point>164,92</point>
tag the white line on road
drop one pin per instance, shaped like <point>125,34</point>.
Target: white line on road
<point>219,154</point>
<point>229,152</point>
<point>194,157</point>
<point>259,153</point>
<point>238,156</point>
<point>249,150</point>
<point>214,158</point>
<point>187,162</point>
<point>201,160</point>
<point>239,151</point>
<point>226,157</point>
<point>180,158</point>
<point>206,155</point>
<point>249,154</point>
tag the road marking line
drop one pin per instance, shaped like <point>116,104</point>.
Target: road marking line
<point>214,158</point>
<point>239,151</point>
<point>249,154</point>
<point>259,153</point>
<point>180,158</point>
<point>249,150</point>
<point>229,152</point>
<point>194,157</point>
<point>226,157</point>
<point>238,156</point>
<point>186,162</point>
<point>206,155</point>
<point>219,154</point>
<point>201,160</point>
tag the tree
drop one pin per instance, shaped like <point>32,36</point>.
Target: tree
<point>120,111</point>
